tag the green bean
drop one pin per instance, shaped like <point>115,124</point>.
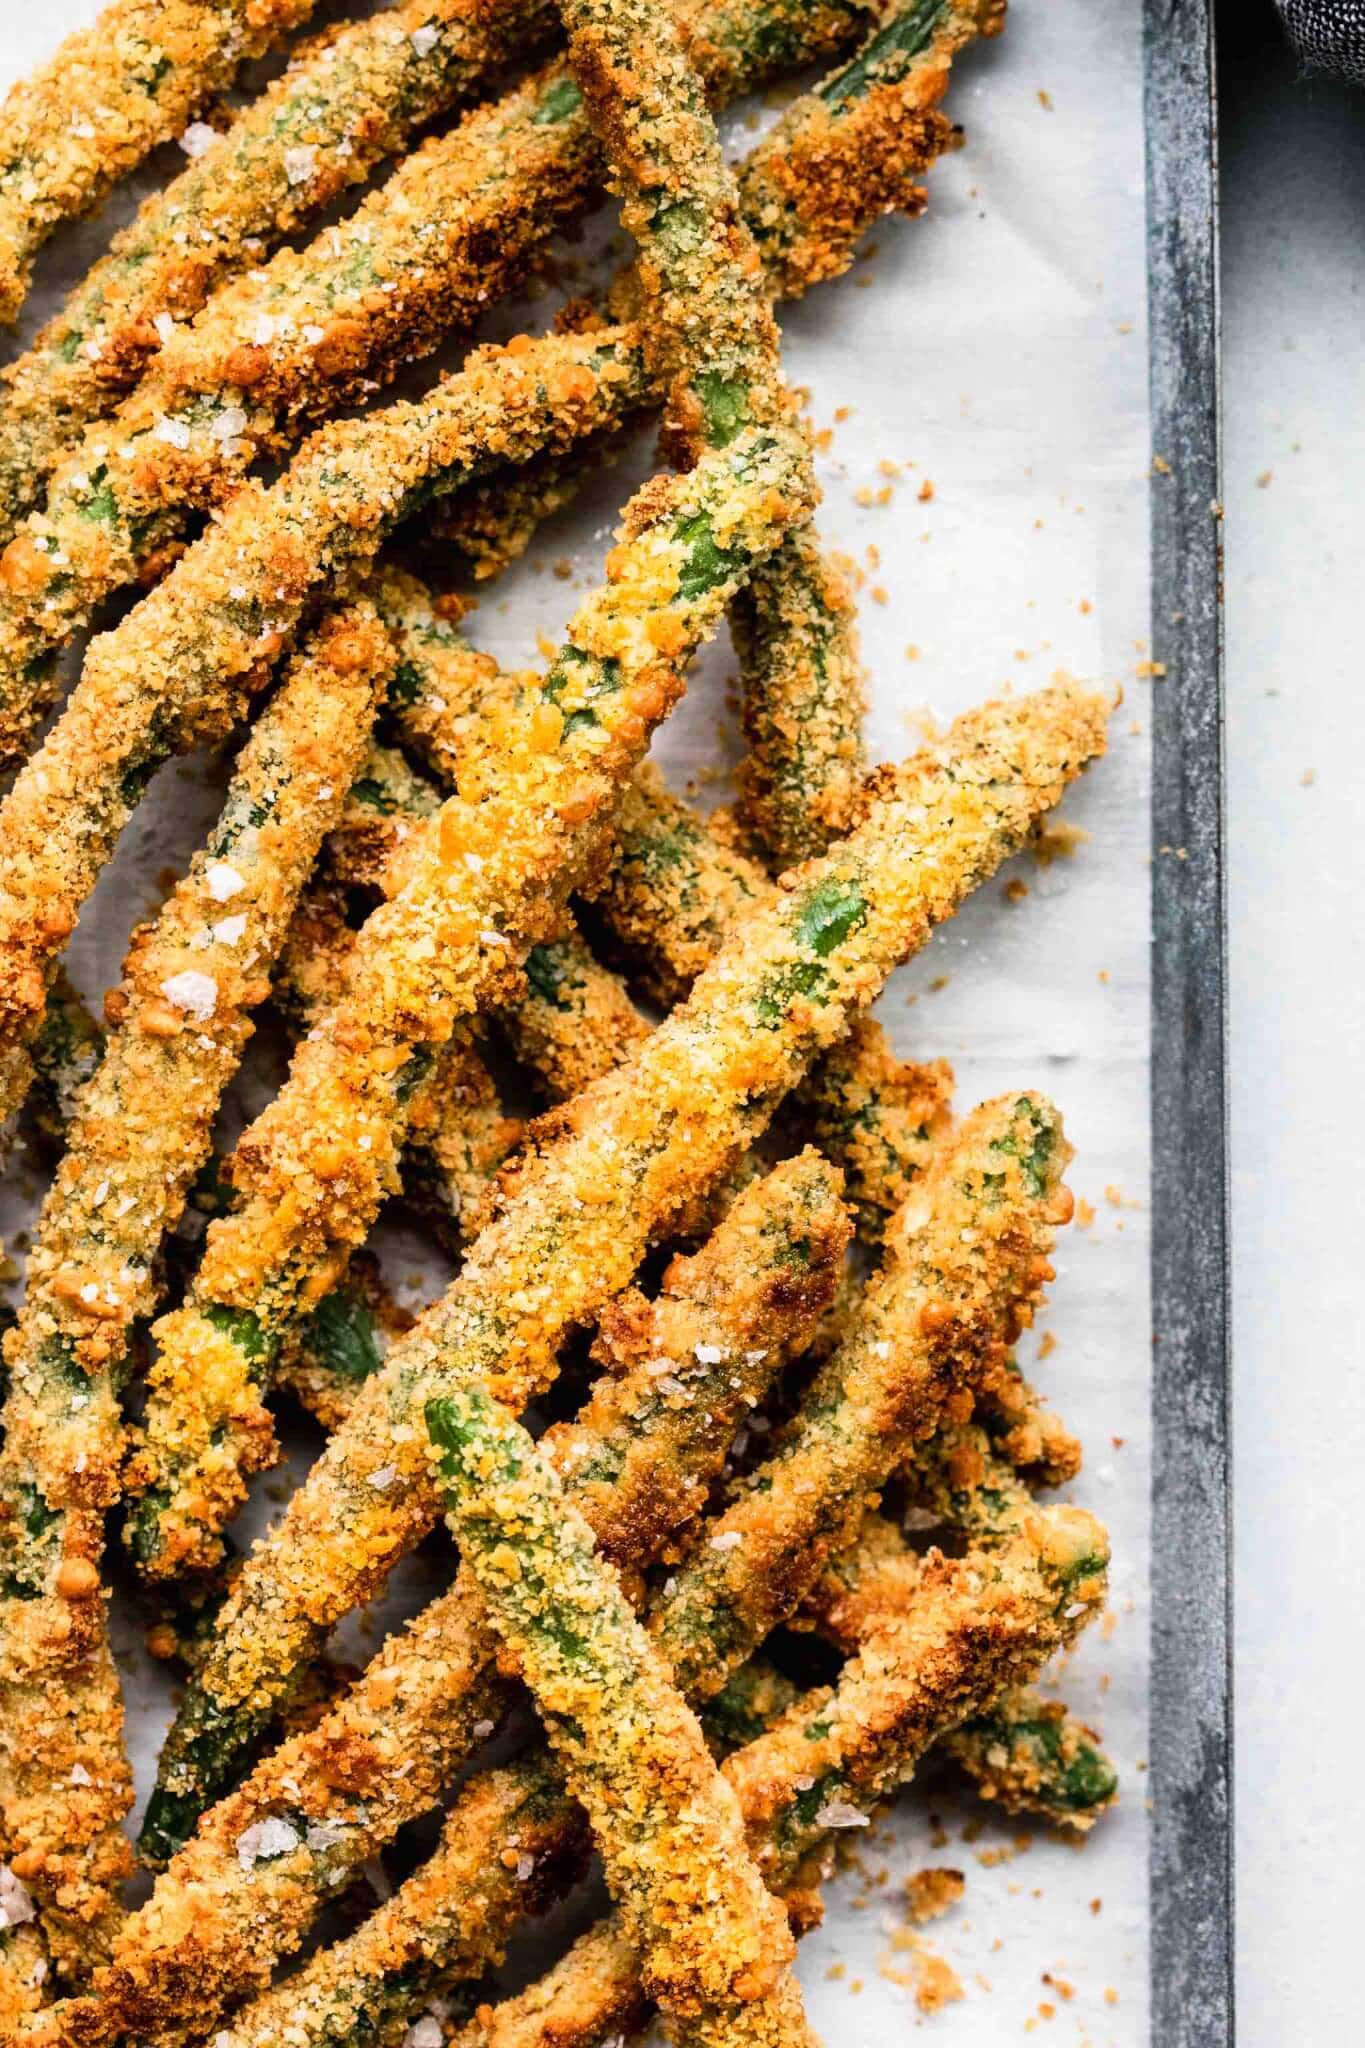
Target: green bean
<point>836,1754</point>
<point>668,896</point>
<point>621,1160</point>
<point>967,1260</point>
<point>1025,1753</point>
<point>112,92</point>
<point>715,1948</point>
<point>459,1134</point>
<point>456,225</point>
<point>68,1048</point>
<point>141,1131</point>
<point>349,99</point>
<point>484,878</point>
<point>637,1459</point>
<point>173,674</point>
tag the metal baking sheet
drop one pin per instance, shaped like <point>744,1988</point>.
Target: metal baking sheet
<point>996,379</point>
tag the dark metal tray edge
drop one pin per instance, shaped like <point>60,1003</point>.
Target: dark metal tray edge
<point>1190,1739</point>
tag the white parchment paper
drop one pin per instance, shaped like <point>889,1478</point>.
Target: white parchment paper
<point>983,374</point>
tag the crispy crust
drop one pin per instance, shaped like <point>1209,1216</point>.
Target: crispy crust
<point>106,99</point>
<point>485,879</point>
<point>141,1131</point>
<point>348,99</point>
<point>613,1166</point>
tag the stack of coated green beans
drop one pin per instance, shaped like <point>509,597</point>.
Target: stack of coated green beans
<point>616,1054</point>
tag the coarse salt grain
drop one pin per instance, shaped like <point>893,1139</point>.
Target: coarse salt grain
<point>707,1354</point>
<point>195,993</point>
<point>299,163</point>
<point>173,431</point>
<point>197,138</point>
<point>16,1907</point>
<point>483,1729</point>
<point>229,931</point>
<point>383,1478</point>
<point>424,2033</point>
<point>230,422</point>
<point>223,882</point>
<point>165,327</point>
<point>839,1813</point>
<point>525,1865</point>
<point>263,330</point>
<point>265,1839</point>
<point>424,40</point>
<point>730,1540</point>
<point>80,1775</point>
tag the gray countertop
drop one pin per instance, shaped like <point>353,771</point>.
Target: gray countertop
<point>1294,302</point>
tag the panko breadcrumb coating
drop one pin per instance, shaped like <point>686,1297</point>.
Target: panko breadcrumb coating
<point>611,1168</point>
<point>178,669</point>
<point>637,1459</point>
<point>111,93</point>
<point>459,1133</point>
<point>348,99</point>
<point>715,1948</point>
<point>967,1259</point>
<point>485,879</point>
<point>667,897</point>
<point>972,1627</point>
<point>140,1132</point>
<point>454,227</point>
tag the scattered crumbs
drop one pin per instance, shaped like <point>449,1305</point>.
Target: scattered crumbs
<point>1118,1442</point>
<point>1113,1196</point>
<point>1104,976</point>
<point>1085,607</point>
<point>1263,481</point>
<point>1150,671</point>
<point>1016,890</point>
<point>889,468</point>
<point>1308,778</point>
<point>562,567</point>
<point>1160,466</point>
<point>878,593</point>
<point>836,1972</point>
<point>912,652</point>
<point>1096,1905</point>
<point>1047,1346</point>
<point>1111,1996</point>
<point>842,413</point>
<point>546,645</point>
<point>930,1976</point>
<point>1045,100</point>
<point>939,981</point>
<point>929,1893</point>
<point>925,492</point>
<point>856,1985</point>
<point>1066,1992</point>
<point>1057,840</point>
<point>1046,2011</point>
<point>1085,1213</point>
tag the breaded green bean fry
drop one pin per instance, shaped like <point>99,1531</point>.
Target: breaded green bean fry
<point>715,1948</point>
<point>342,1342</point>
<point>459,1134</point>
<point>141,1130</point>
<point>111,93</point>
<point>178,670</point>
<point>349,99</point>
<point>485,879</point>
<point>837,1753</point>
<point>173,674</point>
<point>637,1459</point>
<point>668,895</point>
<point>454,227</point>
<point>614,1166</point>
<point>1028,1754</point>
<point>966,1261</point>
